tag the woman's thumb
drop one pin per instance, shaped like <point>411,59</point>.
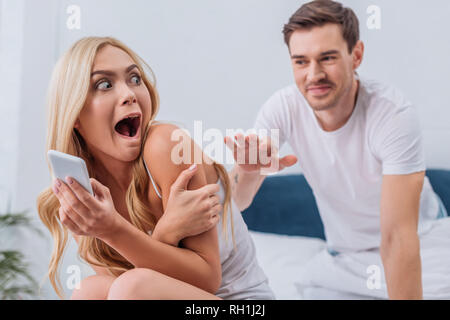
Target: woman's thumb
<point>183,179</point>
<point>98,188</point>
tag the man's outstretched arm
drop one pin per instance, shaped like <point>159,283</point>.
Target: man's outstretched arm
<point>255,158</point>
<point>244,186</point>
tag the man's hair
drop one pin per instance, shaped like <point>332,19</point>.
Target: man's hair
<point>320,12</point>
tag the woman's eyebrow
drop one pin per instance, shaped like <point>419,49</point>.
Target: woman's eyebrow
<point>131,68</point>
<point>105,72</point>
<point>111,73</point>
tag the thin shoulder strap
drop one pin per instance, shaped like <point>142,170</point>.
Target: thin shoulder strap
<point>153,182</point>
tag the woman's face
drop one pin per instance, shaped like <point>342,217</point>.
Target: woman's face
<point>117,105</point>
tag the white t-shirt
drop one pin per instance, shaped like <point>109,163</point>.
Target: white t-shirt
<point>345,167</point>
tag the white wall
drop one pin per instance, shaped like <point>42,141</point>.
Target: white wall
<point>215,61</point>
<point>11,48</point>
<point>411,52</point>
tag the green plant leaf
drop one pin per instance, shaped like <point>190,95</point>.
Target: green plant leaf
<point>19,219</point>
<point>13,268</point>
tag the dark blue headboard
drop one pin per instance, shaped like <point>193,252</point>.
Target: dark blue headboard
<point>286,205</point>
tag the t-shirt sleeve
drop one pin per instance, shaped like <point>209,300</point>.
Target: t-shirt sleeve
<point>275,115</point>
<point>397,142</point>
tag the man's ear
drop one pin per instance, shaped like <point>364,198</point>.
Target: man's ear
<point>358,54</point>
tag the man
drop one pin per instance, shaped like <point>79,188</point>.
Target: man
<point>359,146</point>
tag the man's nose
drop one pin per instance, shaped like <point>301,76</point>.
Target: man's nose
<point>315,73</point>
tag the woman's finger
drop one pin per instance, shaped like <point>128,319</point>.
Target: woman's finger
<point>66,221</point>
<point>214,201</point>
<point>181,183</point>
<point>81,193</point>
<point>210,189</point>
<point>100,191</point>
<point>68,210</point>
<point>214,220</point>
<point>56,191</point>
<point>215,198</point>
<point>215,211</point>
<point>69,201</point>
<point>73,215</point>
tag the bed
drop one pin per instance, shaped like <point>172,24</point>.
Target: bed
<point>287,236</point>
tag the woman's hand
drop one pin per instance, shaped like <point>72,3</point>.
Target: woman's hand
<point>188,212</point>
<point>84,214</point>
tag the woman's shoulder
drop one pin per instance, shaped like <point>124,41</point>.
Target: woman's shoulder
<point>169,149</point>
<point>162,138</point>
<point>161,131</point>
<point>163,150</point>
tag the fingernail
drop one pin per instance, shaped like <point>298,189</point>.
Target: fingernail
<point>69,180</point>
<point>58,183</point>
<point>193,167</point>
<point>55,189</point>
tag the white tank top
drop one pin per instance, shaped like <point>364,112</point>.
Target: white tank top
<point>242,277</point>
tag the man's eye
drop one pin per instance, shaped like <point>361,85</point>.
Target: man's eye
<point>136,79</point>
<point>103,85</point>
<point>329,58</point>
<point>300,62</point>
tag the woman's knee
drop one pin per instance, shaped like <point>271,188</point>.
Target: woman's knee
<point>95,287</point>
<point>132,283</point>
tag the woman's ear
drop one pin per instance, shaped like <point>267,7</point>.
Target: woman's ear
<point>77,124</point>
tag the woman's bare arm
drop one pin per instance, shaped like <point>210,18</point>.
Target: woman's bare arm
<point>198,263</point>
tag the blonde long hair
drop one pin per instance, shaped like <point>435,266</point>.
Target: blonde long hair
<point>66,97</point>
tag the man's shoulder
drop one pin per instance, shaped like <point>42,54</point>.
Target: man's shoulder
<point>290,92</point>
<point>381,97</point>
<point>281,109</point>
<point>387,110</point>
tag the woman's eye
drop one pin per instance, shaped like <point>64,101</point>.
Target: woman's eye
<point>136,79</point>
<point>103,85</point>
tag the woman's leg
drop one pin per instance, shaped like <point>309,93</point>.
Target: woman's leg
<point>147,284</point>
<point>93,288</point>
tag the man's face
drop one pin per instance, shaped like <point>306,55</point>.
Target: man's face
<point>323,67</point>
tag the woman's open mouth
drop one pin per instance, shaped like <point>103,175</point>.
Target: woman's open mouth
<point>129,126</point>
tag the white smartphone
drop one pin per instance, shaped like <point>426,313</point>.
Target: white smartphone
<point>65,165</point>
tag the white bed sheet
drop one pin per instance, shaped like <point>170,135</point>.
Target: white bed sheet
<point>282,257</point>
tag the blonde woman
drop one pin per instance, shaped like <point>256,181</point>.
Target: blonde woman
<point>101,107</point>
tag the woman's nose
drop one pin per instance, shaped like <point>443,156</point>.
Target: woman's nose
<point>127,95</point>
<point>129,99</point>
